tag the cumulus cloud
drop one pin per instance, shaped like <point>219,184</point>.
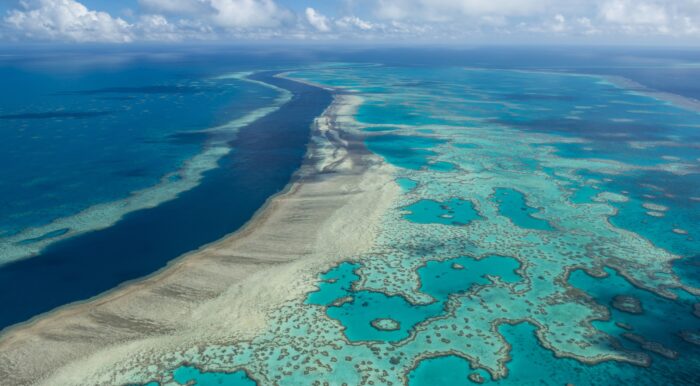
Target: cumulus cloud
<point>317,20</point>
<point>248,13</point>
<point>436,20</point>
<point>343,26</point>
<point>158,28</point>
<point>160,20</point>
<point>66,20</point>
<point>617,19</point>
<point>237,14</point>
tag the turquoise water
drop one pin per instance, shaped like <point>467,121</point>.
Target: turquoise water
<point>530,364</point>
<point>450,212</point>
<point>357,316</point>
<point>439,279</point>
<point>511,204</point>
<point>335,284</point>
<point>187,375</point>
<point>406,184</point>
<point>537,211</point>
<point>602,147</point>
<point>404,151</point>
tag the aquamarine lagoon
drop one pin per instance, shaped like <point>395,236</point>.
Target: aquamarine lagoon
<point>540,228</point>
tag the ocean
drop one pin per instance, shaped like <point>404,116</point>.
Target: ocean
<point>545,233</point>
<point>111,173</point>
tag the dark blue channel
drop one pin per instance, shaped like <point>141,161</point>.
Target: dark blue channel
<point>265,156</point>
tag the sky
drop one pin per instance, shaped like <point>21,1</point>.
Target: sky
<point>428,21</point>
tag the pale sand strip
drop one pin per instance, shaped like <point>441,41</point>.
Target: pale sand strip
<point>222,292</point>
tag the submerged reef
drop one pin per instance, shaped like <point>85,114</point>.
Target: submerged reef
<point>531,259</point>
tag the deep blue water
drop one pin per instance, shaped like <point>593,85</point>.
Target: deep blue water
<point>266,154</point>
<point>74,139</point>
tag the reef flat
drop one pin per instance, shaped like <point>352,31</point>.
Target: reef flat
<point>458,226</point>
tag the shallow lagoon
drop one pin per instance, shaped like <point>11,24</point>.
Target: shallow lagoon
<point>450,212</point>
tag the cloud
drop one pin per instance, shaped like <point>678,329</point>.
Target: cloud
<point>158,28</point>
<point>65,20</point>
<point>354,22</point>
<point>248,13</point>
<point>637,12</point>
<point>616,20</point>
<point>651,17</point>
<point>160,20</point>
<point>236,14</point>
<point>440,10</point>
<point>344,26</point>
<point>408,20</point>
<point>317,20</point>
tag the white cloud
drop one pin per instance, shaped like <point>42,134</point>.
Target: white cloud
<point>160,20</point>
<point>675,18</point>
<point>159,28</point>
<point>615,19</point>
<point>559,23</point>
<point>236,14</point>
<point>248,13</point>
<point>354,22</point>
<point>65,20</point>
<point>430,20</point>
<point>440,10</point>
<point>634,12</point>
<point>317,20</point>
